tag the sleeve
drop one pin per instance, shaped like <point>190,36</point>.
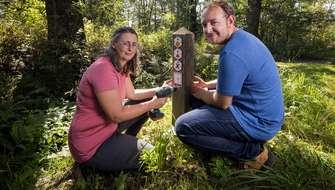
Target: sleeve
<point>103,77</point>
<point>231,75</point>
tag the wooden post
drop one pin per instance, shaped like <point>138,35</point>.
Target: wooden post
<point>183,63</point>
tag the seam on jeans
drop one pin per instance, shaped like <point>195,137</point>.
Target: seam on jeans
<point>231,121</point>
<point>203,146</point>
<point>216,121</point>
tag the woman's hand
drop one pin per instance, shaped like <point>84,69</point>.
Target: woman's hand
<point>157,102</point>
<point>168,83</point>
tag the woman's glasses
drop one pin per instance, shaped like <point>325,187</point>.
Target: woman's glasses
<point>128,45</point>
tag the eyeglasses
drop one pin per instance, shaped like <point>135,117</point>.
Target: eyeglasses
<point>128,44</point>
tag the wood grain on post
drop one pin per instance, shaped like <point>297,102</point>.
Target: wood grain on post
<point>183,63</point>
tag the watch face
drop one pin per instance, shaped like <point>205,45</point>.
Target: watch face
<point>177,53</point>
<point>177,65</point>
<point>177,42</point>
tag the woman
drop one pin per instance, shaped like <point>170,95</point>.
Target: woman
<point>95,137</point>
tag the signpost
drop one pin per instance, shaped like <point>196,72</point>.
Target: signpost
<point>183,63</point>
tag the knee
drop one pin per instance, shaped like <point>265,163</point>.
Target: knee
<point>178,127</point>
<point>181,125</point>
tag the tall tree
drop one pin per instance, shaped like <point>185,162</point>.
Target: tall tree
<point>253,16</point>
<point>60,58</point>
<point>65,20</point>
<point>193,16</point>
<point>187,15</point>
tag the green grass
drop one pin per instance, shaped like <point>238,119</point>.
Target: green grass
<point>305,148</point>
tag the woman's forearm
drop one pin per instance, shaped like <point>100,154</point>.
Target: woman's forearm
<point>141,94</point>
<point>131,111</point>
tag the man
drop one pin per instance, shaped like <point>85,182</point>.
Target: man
<point>247,109</point>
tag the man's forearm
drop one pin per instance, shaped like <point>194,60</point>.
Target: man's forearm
<point>215,99</point>
<point>207,97</point>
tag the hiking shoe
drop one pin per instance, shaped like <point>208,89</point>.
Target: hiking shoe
<point>262,162</point>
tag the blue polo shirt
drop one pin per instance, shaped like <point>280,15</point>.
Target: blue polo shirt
<point>247,71</point>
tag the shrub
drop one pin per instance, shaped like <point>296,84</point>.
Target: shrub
<point>156,51</point>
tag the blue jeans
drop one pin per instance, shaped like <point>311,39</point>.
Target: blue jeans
<point>216,130</point>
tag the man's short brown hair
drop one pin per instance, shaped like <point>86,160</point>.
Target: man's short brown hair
<point>224,5</point>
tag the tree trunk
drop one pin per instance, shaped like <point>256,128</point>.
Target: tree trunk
<point>253,16</point>
<point>193,17</point>
<point>65,21</point>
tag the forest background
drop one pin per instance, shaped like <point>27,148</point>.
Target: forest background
<point>46,45</point>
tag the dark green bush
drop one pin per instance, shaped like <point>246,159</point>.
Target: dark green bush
<point>206,60</point>
<point>27,135</point>
<point>156,49</point>
<point>54,70</point>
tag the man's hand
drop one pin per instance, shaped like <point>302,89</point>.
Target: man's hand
<point>198,82</point>
<point>199,88</point>
<point>199,93</point>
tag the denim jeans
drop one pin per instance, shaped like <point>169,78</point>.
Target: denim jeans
<point>216,131</point>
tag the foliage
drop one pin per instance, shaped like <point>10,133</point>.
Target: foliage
<point>104,12</point>
<point>206,60</point>
<point>20,28</point>
<point>29,14</point>
<point>186,12</point>
<point>28,134</point>
<point>168,20</point>
<point>151,16</point>
<point>310,116</point>
<point>240,7</point>
<point>291,29</point>
<point>29,60</point>
<point>156,51</point>
<point>54,70</point>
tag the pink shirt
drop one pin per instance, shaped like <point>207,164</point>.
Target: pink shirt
<point>90,126</point>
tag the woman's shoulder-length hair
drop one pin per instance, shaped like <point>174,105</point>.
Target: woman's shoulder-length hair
<point>132,65</point>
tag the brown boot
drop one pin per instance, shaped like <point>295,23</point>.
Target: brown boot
<point>259,160</point>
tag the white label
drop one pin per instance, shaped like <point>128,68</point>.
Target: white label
<point>177,78</point>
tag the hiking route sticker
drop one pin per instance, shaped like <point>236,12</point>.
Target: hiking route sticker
<point>178,42</point>
<point>177,53</point>
<point>177,65</point>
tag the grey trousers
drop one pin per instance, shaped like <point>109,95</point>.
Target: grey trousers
<point>121,150</point>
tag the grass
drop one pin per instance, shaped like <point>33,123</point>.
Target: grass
<point>305,148</point>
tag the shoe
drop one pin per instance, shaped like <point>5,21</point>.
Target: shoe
<point>262,162</point>
<point>269,162</point>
